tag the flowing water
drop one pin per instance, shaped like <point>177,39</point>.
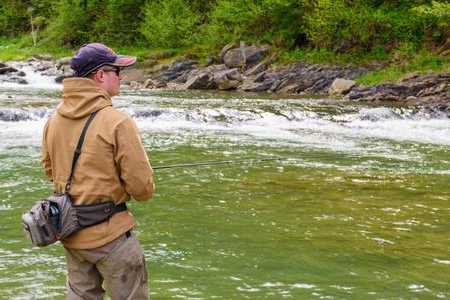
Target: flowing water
<point>357,208</point>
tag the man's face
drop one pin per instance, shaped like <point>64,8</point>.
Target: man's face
<point>108,78</point>
<point>112,80</point>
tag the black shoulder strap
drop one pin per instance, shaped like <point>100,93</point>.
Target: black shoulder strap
<point>77,153</point>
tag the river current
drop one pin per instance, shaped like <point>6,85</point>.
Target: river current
<point>357,206</point>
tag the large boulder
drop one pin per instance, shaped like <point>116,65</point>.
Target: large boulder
<point>260,67</point>
<point>224,50</point>
<point>15,79</point>
<point>176,69</point>
<point>154,84</point>
<point>65,71</point>
<point>250,86</point>
<point>53,72</point>
<point>228,84</point>
<point>44,66</point>
<point>303,78</point>
<point>65,61</point>
<point>341,86</point>
<point>232,74</point>
<point>382,92</point>
<point>201,81</point>
<point>14,115</point>
<point>244,57</point>
<point>227,79</point>
<point>416,88</point>
<point>6,70</point>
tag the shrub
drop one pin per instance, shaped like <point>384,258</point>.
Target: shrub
<point>169,23</point>
<point>73,23</point>
<point>234,20</point>
<point>277,22</point>
<point>435,20</point>
<point>79,21</point>
<point>342,27</point>
<point>286,19</point>
<point>15,18</point>
<point>120,22</point>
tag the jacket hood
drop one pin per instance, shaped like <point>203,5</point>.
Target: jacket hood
<point>81,96</point>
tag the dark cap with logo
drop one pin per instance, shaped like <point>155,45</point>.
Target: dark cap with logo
<point>92,56</point>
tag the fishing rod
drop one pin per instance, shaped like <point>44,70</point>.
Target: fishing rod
<point>251,161</point>
<point>241,161</point>
<point>218,162</point>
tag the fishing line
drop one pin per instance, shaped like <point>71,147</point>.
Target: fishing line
<point>259,160</point>
<point>217,162</point>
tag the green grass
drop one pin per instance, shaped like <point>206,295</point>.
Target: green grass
<point>421,63</point>
<point>143,53</point>
<point>21,48</point>
<point>325,56</point>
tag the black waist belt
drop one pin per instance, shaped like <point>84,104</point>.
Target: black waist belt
<point>93,214</point>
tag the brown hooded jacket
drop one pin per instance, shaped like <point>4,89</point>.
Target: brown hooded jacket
<point>113,165</point>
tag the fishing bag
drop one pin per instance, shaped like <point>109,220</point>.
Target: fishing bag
<point>55,217</point>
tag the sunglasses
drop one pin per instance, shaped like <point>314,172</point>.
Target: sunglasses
<point>115,70</point>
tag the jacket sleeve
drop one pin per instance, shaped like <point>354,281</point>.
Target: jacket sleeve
<point>130,157</point>
<point>46,162</point>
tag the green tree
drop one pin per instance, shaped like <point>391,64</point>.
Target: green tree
<point>279,22</point>
<point>14,17</point>
<point>73,23</point>
<point>120,22</point>
<point>169,23</point>
<point>334,24</point>
<point>435,20</point>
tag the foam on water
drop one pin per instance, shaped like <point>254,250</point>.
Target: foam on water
<point>379,132</point>
<point>294,125</point>
<point>21,134</point>
<point>35,79</point>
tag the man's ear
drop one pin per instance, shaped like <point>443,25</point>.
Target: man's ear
<point>99,76</point>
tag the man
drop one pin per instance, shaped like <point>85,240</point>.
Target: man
<point>113,166</point>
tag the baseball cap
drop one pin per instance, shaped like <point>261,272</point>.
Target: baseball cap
<point>92,56</point>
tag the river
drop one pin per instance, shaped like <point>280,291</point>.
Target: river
<point>357,207</point>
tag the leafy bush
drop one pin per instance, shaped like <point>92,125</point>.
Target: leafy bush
<point>337,25</point>
<point>169,23</point>
<point>73,23</point>
<point>436,20</point>
<point>269,21</point>
<point>234,20</point>
<point>15,15</point>
<point>285,19</point>
<point>120,22</point>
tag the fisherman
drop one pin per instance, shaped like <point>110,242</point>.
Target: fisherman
<point>113,166</point>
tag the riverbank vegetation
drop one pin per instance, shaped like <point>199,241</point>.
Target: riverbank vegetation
<point>392,36</point>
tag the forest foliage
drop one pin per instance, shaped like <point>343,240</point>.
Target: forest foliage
<point>338,26</point>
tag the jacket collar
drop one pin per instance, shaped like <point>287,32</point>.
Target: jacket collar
<point>81,96</point>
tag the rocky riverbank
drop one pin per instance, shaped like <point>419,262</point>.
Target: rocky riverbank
<point>249,68</point>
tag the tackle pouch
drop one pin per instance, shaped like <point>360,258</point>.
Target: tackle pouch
<point>37,226</point>
<point>50,220</point>
<point>55,218</point>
